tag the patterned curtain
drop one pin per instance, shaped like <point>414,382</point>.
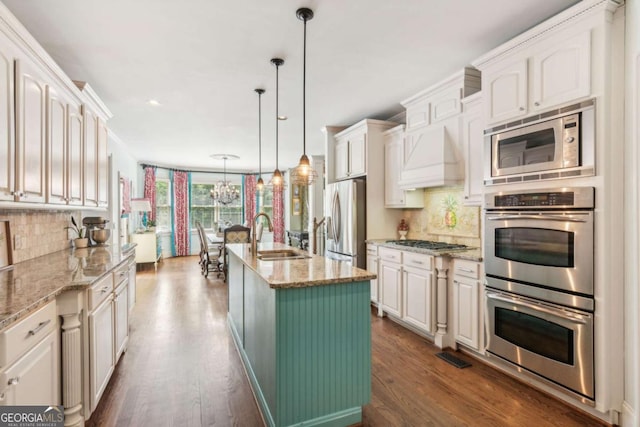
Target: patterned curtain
<point>126,196</point>
<point>150,189</point>
<point>278,214</point>
<point>180,228</point>
<point>249,184</point>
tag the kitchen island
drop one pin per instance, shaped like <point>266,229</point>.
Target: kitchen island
<point>302,327</point>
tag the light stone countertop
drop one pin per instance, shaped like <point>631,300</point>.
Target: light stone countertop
<point>298,273</point>
<point>471,254</point>
<point>30,284</point>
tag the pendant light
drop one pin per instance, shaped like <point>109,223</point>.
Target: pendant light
<point>277,180</point>
<point>260,182</point>
<point>304,174</point>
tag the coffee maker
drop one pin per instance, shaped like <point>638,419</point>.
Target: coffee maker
<point>96,230</point>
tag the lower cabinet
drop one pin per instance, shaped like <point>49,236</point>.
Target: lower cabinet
<point>419,291</point>
<point>131,263</point>
<point>30,361</point>
<point>390,281</point>
<point>467,304</point>
<point>34,379</point>
<point>372,267</point>
<point>101,351</point>
<point>121,308</point>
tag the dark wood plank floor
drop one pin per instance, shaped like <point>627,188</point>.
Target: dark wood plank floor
<point>182,369</point>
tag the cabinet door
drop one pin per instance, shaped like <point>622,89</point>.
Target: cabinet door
<point>132,285</point>
<point>101,352</point>
<point>506,92</point>
<point>393,195</point>
<point>90,158</point>
<point>418,295</point>
<point>372,267</point>
<point>30,132</point>
<point>465,311</point>
<point>121,306</point>
<point>34,379</point>
<point>562,72</point>
<point>57,153</point>
<point>103,165</point>
<point>358,155</point>
<point>390,282</point>
<point>7,140</point>
<point>75,144</point>
<point>342,159</point>
<point>473,145</point>
<point>146,251</point>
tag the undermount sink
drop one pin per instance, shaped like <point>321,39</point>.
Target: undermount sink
<point>284,254</point>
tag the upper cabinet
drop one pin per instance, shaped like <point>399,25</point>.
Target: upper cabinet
<point>351,154</point>
<point>394,196</point>
<point>42,129</point>
<point>432,154</point>
<point>473,147</point>
<point>537,72</point>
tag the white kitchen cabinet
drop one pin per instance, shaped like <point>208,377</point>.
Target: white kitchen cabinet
<point>30,107</point>
<point>390,280</point>
<point>467,303</point>
<point>75,158</point>
<point>418,291</point>
<point>147,250</point>
<point>29,360</point>
<point>102,164</point>
<point>101,349</point>
<point>131,264</point>
<point>57,152</point>
<point>372,267</point>
<point>7,121</point>
<point>34,379</point>
<point>351,154</point>
<point>121,327</point>
<point>394,196</point>
<point>90,157</point>
<point>473,147</point>
<point>541,76</point>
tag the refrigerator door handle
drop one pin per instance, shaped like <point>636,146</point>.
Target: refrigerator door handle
<point>329,228</point>
<point>337,217</point>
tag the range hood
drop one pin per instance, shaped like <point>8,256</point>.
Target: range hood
<point>430,159</point>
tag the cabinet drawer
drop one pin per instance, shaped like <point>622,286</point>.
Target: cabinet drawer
<point>416,260</point>
<point>18,338</point>
<point>100,291</point>
<point>372,249</point>
<point>466,269</point>
<point>120,273</point>
<point>392,255</point>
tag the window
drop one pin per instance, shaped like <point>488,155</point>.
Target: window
<point>212,215</point>
<point>265,204</point>
<point>163,205</point>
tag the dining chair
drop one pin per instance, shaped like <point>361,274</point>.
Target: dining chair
<point>235,234</point>
<point>209,254</point>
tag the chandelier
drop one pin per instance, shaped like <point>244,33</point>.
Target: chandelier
<point>224,192</point>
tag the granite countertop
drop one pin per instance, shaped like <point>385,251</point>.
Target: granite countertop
<point>299,273</point>
<point>30,284</point>
<point>471,254</point>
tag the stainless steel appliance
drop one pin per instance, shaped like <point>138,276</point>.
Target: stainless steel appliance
<point>430,245</point>
<point>556,144</point>
<point>346,221</point>
<point>540,286</point>
<point>97,231</point>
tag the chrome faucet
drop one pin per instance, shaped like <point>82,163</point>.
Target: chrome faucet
<point>254,242</point>
<point>316,224</point>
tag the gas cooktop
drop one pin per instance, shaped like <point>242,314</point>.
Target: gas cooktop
<point>428,244</point>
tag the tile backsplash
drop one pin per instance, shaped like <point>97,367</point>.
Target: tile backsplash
<point>37,233</point>
<point>445,218</point>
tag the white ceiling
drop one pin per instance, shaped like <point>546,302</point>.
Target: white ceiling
<point>202,60</point>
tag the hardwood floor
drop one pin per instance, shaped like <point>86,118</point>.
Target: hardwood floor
<point>182,368</point>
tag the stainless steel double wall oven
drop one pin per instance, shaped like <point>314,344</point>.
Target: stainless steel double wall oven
<point>540,284</point>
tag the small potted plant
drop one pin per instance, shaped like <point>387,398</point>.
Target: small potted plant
<point>80,241</point>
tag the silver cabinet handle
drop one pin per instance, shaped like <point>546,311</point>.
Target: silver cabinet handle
<point>38,328</point>
<point>14,381</point>
<point>466,270</point>
<point>417,262</point>
<point>521,108</point>
<point>537,104</point>
<point>104,290</point>
<point>575,318</point>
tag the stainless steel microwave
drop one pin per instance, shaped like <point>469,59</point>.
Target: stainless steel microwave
<point>556,144</point>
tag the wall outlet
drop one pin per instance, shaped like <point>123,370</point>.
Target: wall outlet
<point>17,242</point>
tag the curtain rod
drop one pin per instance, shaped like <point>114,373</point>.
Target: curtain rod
<point>146,165</point>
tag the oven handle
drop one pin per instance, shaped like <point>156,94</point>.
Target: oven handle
<point>540,218</point>
<point>575,318</point>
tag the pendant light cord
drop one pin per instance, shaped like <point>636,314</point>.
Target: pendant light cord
<point>277,91</point>
<point>259,135</point>
<point>304,90</point>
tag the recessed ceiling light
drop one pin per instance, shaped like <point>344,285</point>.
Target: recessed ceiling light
<point>154,102</point>
<point>282,117</point>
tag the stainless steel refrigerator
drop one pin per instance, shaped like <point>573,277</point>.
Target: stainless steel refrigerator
<point>346,221</point>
